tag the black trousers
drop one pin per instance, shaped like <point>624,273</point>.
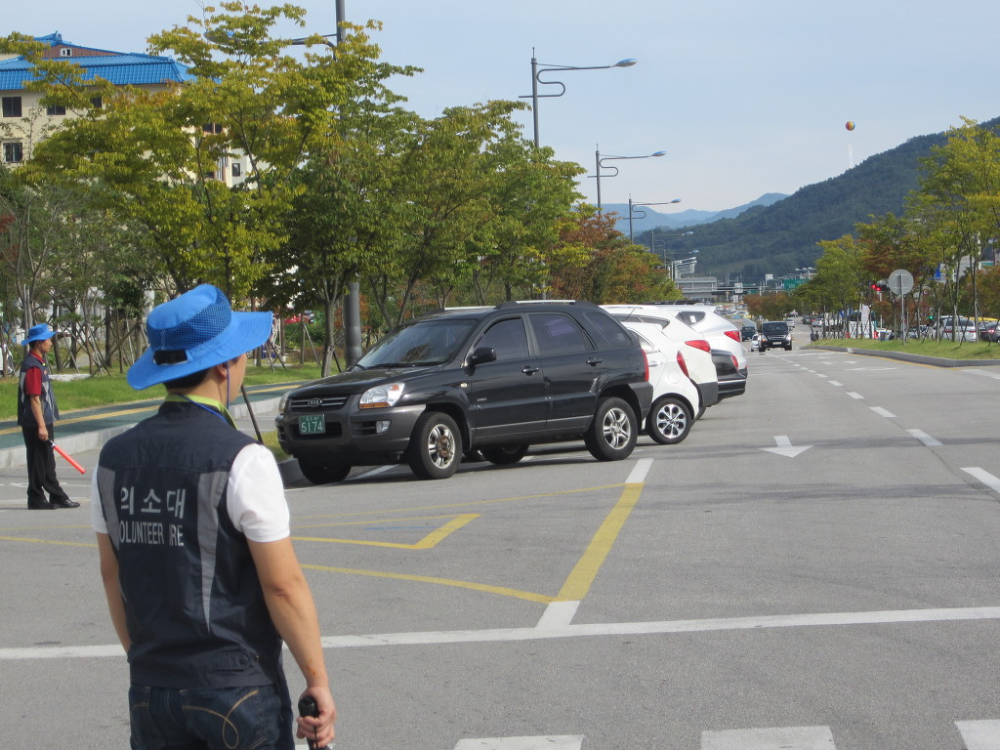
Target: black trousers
<point>41,467</point>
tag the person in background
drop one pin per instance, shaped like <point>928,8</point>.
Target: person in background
<point>36,413</point>
<point>200,575</point>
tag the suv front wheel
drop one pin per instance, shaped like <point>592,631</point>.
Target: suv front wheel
<point>435,449</point>
<point>614,431</point>
<point>505,454</point>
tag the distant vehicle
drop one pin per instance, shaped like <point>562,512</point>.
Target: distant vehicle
<point>989,331</point>
<point>775,333</point>
<point>747,332</point>
<point>962,329</point>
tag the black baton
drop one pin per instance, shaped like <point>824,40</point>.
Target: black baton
<point>308,707</point>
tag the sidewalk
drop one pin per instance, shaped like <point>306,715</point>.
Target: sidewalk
<point>88,429</point>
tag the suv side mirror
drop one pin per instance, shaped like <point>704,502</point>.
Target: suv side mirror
<point>482,355</point>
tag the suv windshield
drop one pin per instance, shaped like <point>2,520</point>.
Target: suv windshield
<point>429,342</point>
<point>779,327</point>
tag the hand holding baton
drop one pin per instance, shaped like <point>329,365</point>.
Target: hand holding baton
<point>308,707</point>
<point>65,455</point>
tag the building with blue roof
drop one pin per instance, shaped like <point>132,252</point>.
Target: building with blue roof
<point>23,118</point>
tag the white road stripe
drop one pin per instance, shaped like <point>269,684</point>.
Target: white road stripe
<point>819,374</point>
<point>882,412</point>
<point>638,474</point>
<point>924,438</point>
<point>778,738</point>
<point>980,735</point>
<point>558,614</point>
<point>852,394</point>
<point>724,624</point>
<point>559,742</point>
<point>834,382</point>
<point>984,476</point>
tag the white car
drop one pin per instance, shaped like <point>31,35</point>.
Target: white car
<point>718,330</point>
<point>676,400</point>
<point>695,348</point>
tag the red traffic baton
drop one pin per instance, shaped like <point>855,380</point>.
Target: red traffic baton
<point>69,458</point>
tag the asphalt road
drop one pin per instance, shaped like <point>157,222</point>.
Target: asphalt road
<point>816,566</point>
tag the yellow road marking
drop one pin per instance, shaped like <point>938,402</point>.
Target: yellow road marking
<point>46,541</point>
<point>526,595</point>
<point>585,571</point>
<point>427,542</point>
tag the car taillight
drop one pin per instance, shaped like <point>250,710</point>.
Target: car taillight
<point>682,364</point>
<point>700,344</point>
<point>733,334</point>
<point>736,365</point>
<point>645,364</point>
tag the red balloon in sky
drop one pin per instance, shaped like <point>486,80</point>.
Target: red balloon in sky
<point>850,125</point>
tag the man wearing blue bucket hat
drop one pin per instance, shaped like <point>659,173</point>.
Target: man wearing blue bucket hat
<point>193,534</point>
<point>36,413</point>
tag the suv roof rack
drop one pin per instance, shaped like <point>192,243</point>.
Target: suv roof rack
<point>517,303</point>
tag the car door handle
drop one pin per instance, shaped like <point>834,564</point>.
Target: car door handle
<point>529,370</point>
<point>594,361</point>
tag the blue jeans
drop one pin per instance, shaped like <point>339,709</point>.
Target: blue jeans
<point>247,718</point>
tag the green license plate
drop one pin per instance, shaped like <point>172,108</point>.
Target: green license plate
<point>312,424</point>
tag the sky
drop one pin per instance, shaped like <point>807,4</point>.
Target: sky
<point>745,98</point>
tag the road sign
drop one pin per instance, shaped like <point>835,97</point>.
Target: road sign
<point>900,282</point>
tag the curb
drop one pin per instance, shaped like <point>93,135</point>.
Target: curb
<point>88,441</point>
<point>920,359</point>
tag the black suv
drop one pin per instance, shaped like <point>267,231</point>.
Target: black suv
<point>775,333</point>
<point>491,379</point>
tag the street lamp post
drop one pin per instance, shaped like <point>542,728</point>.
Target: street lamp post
<point>642,214</point>
<point>599,162</point>
<point>663,255</point>
<point>538,68</point>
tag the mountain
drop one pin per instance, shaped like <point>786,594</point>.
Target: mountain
<point>781,236</point>
<point>678,220</point>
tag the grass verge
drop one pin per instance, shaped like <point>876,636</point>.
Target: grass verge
<point>928,348</point>
<point>104,390</point>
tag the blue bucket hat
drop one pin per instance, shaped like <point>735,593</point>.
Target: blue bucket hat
<point>41,332</point>
<point>194,332</point>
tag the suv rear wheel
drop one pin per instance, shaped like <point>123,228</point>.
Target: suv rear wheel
<point>505,454</point>
<point>669,421</point>
<point>613,433</point>
<point>324,472</point>
<point>435,449</point>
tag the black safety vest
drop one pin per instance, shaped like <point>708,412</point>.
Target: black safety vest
<point>50,412</point>
<point>193,603</point>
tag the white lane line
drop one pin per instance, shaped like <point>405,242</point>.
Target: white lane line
<point>819,374</point>
<point>834,382</point>
<point>852,394</point>
<point>882,412</point>
<point>638,474</point>
<point>980,735</point>
<point>558,615</point>
<point>778,738</point>
<point>555,742</point>
<point>726,624</point>
<point>924,438</point>
<point>984,476</point>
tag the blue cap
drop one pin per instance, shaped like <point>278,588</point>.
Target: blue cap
<point>194,332</point>
<point>41,332</point>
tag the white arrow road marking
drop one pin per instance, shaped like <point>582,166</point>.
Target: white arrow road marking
<point>780,738</point>
<point>558,742</point>
<point>980,735</point>
<point>882,412</point>
<point>785,447</point>
<point>984,476</point>
<point>924,438</point>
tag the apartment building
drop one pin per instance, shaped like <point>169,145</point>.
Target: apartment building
<point>24,121</point>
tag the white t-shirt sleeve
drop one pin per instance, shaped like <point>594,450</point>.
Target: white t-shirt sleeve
<point>256,496</point>
<point>97,520</point>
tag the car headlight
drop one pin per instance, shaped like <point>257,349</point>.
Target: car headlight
<point>381,396</point>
